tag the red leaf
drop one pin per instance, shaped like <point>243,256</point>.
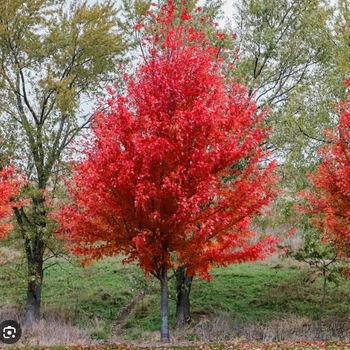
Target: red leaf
<point>173,172</point>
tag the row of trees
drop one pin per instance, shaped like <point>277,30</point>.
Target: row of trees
<point>178,160</point>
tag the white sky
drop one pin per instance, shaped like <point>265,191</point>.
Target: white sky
<point>228,8</point>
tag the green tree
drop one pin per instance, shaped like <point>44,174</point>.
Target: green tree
<point>283,48</point>
<point>53,57</point>
<point>294,56</point>
<point>287,59</point>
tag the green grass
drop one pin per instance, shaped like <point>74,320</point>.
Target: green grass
<point>259,292</point>
<point>91,297</point>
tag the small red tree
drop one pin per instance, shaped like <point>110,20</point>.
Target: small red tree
<point>10,183</point>
<point>328,202</point>
<point>174,172</point>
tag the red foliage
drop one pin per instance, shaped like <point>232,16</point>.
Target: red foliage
<point>10,183</point>
<point>175,170</point>
<point>329,200</point>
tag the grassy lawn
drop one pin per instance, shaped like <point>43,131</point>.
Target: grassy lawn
<point>239,295</point>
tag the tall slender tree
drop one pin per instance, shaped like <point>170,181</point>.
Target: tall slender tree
<point>53,56</point>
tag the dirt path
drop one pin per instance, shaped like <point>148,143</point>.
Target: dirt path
<point>123,315</point>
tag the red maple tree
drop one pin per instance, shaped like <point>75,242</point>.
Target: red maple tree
<point>328,201</point>
<point>10,183</point>
<point>175,170</point>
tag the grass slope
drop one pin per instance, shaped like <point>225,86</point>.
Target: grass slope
<point>93,296</point>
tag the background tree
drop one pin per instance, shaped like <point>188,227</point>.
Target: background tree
<point>53,56</point>
<point>292,55</point>
<point>327,201</point>
<point>173,175</point>
<point>285,50</point>
<point>326,204</point>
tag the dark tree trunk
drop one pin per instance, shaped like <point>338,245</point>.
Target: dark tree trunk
<point>33,232</point>
<point>35,279</point>
<point>183,289</point>
<point>164,331</point>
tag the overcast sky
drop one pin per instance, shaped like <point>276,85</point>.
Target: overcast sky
<point>228,8</point>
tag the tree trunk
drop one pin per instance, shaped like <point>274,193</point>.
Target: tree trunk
<point>164,331</point>
<point>34,244</point>
<point>183,289</point>
<point>34,251</point>
<point>35,278</point>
